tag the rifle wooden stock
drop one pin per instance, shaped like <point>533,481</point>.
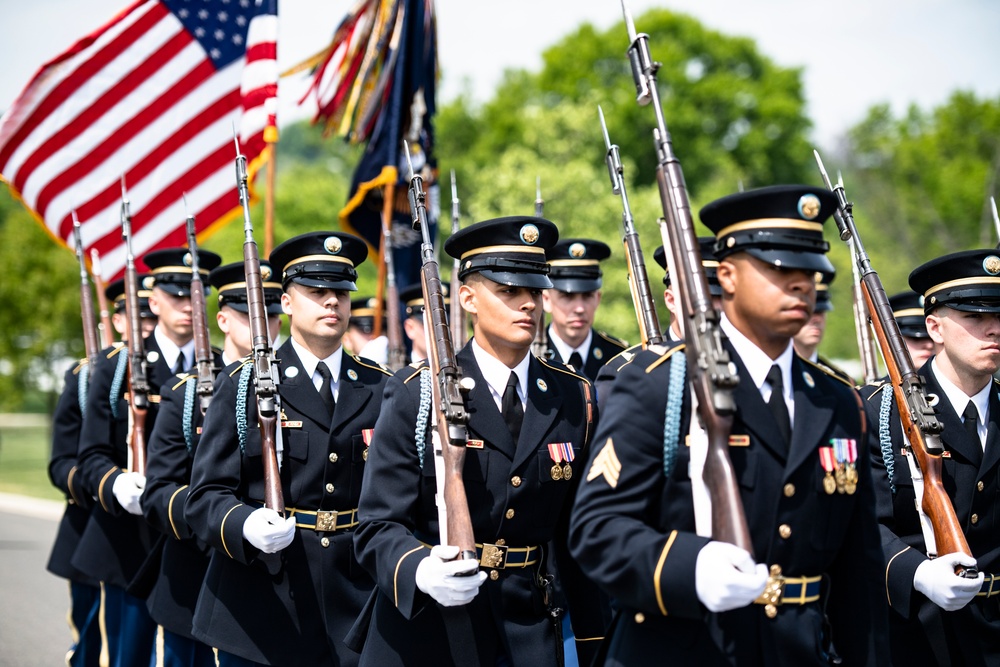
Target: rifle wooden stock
<point>107,328</point>
<point>90,343</point>
<point>265,387</point>
<point>204,359</point>
<point>920,423</point>
<point>711,373</point>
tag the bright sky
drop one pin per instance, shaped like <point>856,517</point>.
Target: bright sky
<point>855,53</point>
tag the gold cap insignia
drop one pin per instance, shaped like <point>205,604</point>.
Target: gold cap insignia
<point>809,206</point>
<point>730,242</point>
<point>265,272</point>
<point>332,245</point>
<point>541,384</point>
<point>577,250</point>
<point>148,282</point>
<point>992,265</point>
<point>352,374</point>
<point>468,264</point>
<point>529,234</point>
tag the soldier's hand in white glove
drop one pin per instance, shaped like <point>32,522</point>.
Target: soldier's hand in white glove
<point>936,579</point>
<point>725,577</point>
<point>266,530</point>
<point>450,582</point>
<point>127,488</point>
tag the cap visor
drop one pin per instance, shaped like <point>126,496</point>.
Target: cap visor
<point>312,281</point>
<point>791,259</point>
<point>519,279</point>
<point>576,285</point>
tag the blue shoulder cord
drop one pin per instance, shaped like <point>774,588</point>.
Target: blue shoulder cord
<point>116,384</point>
<point>884,438</point>
<point>189,392</point>
<point>423,411</point>
<point>673,417</point>
<point>82,384</point>
<point>241,405</point>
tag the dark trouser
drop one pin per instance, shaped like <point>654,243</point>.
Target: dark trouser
<point>174,650</point>
<point>230,660</point>
<point>129,629</point>
<point>84,615</point>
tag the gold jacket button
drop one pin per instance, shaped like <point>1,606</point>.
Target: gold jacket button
<point>789,490</point>
<point>325,542</point>
<point>329,488</point>
<point>509,514</point>
<point>515,481</point>
<point>785,531</point>
<point>333,457</point>
<point>975,519</point>
<point>640,617</point>
<point>494,575</point>
<point>979,485</point>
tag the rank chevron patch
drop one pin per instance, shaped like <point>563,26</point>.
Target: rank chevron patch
<point>607,465</point>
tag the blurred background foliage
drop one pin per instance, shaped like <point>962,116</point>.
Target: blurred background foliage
<point>921,182</point>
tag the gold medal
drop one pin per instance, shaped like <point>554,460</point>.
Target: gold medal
<point>556,472</point>
<point>829,485</point>
<point>851,487</point>
<point>852,474</point>
<point>567,472</point>
<point>841,477</point>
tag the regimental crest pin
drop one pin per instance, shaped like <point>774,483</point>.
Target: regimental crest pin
<point>187,259</point>
<point>809,379</point>
<point>148,282</point>
<point>291,372</point>
<point>992,265</point>
<point>352,374</point>
<point>598,353</point>
<point>529,234</point>
<point>542,386</point>
<point>333,245</point>
<point>577,250</point>
<point>152,356</point>
<point>809,206</point>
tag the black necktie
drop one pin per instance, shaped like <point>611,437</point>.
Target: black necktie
<point>777,404</point>
<point>180,365</point>
<point>576,361</point>
<point>511,408</point>
<point>325,389</point>
<point>971,417</point>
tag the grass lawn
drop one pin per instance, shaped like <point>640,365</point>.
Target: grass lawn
<point>24,459</point>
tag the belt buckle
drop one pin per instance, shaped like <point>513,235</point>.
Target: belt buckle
<point>773,593</point>
<point>326,521</point>
<point>494,556</point>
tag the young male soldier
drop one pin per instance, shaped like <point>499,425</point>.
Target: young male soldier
<point>935,616</point>
<point>529,426</point>
<point>181,571</point>
<point>575,272</point>
<point>85,592</point>
<point>285,591</point>
<point>908,311</point>
<point>117,541</point>
<point>634,528</point>
<point>809,337</point>
<point>360,338</point>
<point>412,297</point>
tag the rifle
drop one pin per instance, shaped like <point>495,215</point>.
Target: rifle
<point>996,218</point>
<point>107,329</point>
<point>540,345</point>
<point>711,373</point>
<point>90,343</point>
<point>265,388</point>
<point>203,357</point>
<point>138,382</point>
<point>456,313</point>
<point>448,416</point>
<point>920,424</point>
<point>638,280</point>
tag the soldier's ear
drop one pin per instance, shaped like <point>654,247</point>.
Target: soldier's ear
<point>933,323</point>
<point>286,304</point>
<point>727,275</point>
<point>467,297</point>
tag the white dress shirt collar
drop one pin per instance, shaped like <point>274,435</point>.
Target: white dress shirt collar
<point>496,373</point>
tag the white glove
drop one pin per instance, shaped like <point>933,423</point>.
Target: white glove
<point>725,577</point>
<point>127,488</point>
<point>936,579</point>
<point>266,530</point>
<point>451,583</point>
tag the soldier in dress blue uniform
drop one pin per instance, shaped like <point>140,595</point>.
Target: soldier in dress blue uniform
<point>285,591</point>
<point>637,529</point>
<point>908,311</point>
<point>360,338</point>
<point>64,472</point>
<point>171,448</point>
<point>809,337</point>
<point>530,422</point>
<point>575,272</point>
<point>936,617</point>
<point>117,540</point>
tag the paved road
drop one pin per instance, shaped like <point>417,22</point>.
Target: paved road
<point>33,603</point>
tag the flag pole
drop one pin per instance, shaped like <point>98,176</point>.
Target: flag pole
<point>389,197</point>
<point>271,139</point>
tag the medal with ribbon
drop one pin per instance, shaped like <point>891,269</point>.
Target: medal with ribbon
<point>568,456</point>
<point>846,451</point>
<point>556,454</point>
<point>829,463</point>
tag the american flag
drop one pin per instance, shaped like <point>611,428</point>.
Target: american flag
<point>153,95</point>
